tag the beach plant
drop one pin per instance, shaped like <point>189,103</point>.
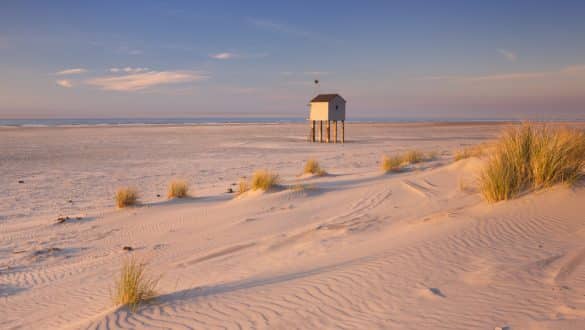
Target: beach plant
<point>468,152</point>
<point>391,163</point>
<point>263,180</point>
<point>557,156</point>
<point>398,162</point>
<point>178,189</point>
<point>413,157</point>
<point>134,285</point>
<point>243,186</point>
<point>312,167</point>
<point>531,157</point>
<point>125,197</point>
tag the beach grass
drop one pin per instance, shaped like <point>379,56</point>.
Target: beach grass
<point>532,157</point>
<point>391,163</point>
<point>134,285</point>
<point>313,167</point>
<point>243,186</point>
<point>397,162</point>
<point>263,180</point>
<point>125,197</point>
<point>177,189</point>
<point>468,152</point>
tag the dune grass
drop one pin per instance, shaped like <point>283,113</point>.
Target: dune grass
<point>125,197</point>
<point>398,162</point>
<point>532,157</point>
<point>177,189</point>
<point>391,163</point>
<point>243,186</point>
<point>263,180</point>
<point>134,286</point>
<point>312,167</point>
<point>468,152</point>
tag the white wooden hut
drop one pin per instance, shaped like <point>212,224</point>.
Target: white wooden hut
<point>327,108</point>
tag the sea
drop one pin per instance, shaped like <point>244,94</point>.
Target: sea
<point>224,120</point>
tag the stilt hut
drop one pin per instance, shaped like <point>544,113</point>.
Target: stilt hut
<point>327,108</point>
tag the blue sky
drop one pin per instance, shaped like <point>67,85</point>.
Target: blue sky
<point>408,59</point>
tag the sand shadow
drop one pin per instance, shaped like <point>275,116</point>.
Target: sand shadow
<point>201,292</point>
<point>190,200</point>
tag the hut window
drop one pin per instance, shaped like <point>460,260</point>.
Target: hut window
<point>336,107</point>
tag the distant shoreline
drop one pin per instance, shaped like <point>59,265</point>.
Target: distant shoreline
<point>96,122</point>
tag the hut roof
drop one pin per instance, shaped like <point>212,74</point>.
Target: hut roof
<point>325,97</point>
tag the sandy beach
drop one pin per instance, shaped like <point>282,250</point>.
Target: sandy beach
<point>354,249</point>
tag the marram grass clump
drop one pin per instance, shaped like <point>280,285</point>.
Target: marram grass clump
<point>472,151</point>
<point>532,157</point>
<point>263,180</point>
<point>178,189</point>
<point>243,186</point>
<point>397,162</point>
<point>134,286</point>
<point>312,167</point>
<point>391,163</point>
<point>125,197</point>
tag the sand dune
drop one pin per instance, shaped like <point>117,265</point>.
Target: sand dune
<point>355,249</point>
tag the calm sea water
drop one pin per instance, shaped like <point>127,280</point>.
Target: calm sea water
<point>212,121</point>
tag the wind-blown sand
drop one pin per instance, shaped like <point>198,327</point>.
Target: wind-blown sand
<point>355,249</point>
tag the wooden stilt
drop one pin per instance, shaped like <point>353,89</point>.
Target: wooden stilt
<point>343,131</point>
<point>335,132</point>
<point>312,137</point>
<point>328,131</point>
<point>321,131</point>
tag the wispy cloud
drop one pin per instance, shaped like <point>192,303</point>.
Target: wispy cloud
<point>508,54</point>
<point>306,73</point>
<point>578,68</point>
<point>280,27</point>
<point>223,56</point>
<point>64,83</point>
<point>128,70</point>
<point>140,81</point>
<point>71,71</point>
<point>316,73</point>
<point>572,69</point>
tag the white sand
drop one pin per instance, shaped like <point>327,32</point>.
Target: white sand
<point>359,249</point>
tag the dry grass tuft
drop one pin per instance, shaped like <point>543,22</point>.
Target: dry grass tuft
<point>397,163</point>
<point>533,157</point>
<point>134,286</point>
<point>413,157</point>
<point>473,151</point>
<point>243,186</point>
<point>313,167</point>
<point>178,189</point>
<point>263,180</point>
<point>126,197</point>
<point>391,164</point>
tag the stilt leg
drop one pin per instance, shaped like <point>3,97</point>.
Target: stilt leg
<point>335,132</point>
<point>328,131</point>
<point>343,131</point>
<point>312,131</point>
<point>321,131</point>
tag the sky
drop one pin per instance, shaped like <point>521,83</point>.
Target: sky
<point>396,59</point>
